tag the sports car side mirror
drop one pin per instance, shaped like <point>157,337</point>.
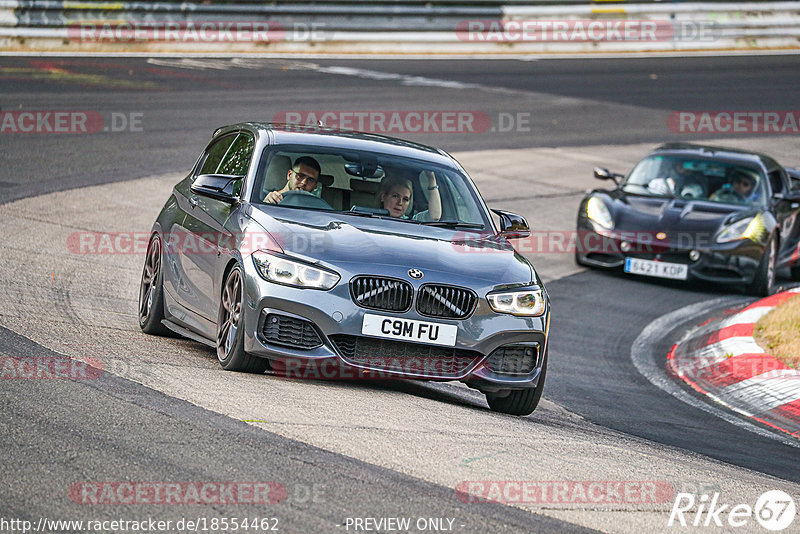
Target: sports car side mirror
<point>218,186</point>
<point>791,196</point>
<point>604,174</point>
<point>512,226</point>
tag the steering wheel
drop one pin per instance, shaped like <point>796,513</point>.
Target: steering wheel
<point>727,195</point>
<point>303,199</point>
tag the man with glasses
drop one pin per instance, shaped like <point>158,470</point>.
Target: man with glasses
<point>303,176</point>
<point>740,189</point>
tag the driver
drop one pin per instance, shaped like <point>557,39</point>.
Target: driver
<point>741,187</point>
<point>303,176</point>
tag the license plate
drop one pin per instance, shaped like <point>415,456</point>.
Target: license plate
<point>659,269</point>
<point>409,330</point>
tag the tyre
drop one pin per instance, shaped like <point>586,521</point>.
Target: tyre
<point>795,273</point>
<point>230,328</point>
<point>151,291</point>
<point>764,280</point>
<point>519,401</point>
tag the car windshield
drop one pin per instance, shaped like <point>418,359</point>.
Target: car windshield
<point>697,179</point>
<point>367,184</point>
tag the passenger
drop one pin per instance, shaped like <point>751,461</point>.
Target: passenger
<point>303,176</point>
<point>688,183</point>
<point>397,193</point>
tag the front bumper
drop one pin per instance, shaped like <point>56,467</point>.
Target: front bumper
<point>308,333</point>
<point>735,262</point>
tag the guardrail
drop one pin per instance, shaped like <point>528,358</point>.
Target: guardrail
<point>398,26</point>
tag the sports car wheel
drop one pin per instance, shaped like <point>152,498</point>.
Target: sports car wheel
<point>151,296</point>
<point>764,280</point>
<point>519,401</point>
<point>230,328</point>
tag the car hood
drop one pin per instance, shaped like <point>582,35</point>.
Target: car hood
<point>671,215</point>
<point>367,245</point>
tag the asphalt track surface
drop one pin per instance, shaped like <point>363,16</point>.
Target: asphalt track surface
<point>113,428</point>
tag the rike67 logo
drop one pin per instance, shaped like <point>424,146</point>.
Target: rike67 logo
<point>774,510</point>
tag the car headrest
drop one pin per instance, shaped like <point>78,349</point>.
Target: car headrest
<point>277,173</point>
<point>326,179</point>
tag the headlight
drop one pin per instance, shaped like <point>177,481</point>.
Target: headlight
<point>597,211</point>
<point>292,273</point>
<point>529,302</point>
<point>747,228</point>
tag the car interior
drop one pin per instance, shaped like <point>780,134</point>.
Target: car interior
<point>349,183</point>
<point>692,179</point>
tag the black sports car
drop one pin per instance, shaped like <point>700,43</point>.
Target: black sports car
<point>696,212</point>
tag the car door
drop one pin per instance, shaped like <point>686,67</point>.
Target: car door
<point>203,230</point>
<point>786,208</point>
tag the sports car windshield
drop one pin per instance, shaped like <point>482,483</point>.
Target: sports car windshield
<point>697,179</point>
<point>367,184</point>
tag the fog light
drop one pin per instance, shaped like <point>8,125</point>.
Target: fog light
<point>625,246</point>
<point>694,255</point>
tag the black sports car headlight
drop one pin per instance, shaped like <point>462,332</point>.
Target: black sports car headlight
<point>282,270</point>
<point>747,228</point>
<point>597,211</point>
<point>529,302</point>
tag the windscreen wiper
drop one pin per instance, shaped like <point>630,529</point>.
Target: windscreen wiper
<point>359,213</point>
<point>453,224</point>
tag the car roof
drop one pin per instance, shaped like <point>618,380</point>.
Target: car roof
<point>324,137</point>
<point>709,151</point>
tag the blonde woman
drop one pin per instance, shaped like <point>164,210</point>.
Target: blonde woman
<point>397,194</point>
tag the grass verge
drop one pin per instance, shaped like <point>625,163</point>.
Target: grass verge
<point>778,332</point>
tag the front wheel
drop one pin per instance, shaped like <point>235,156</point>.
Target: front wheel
<point>519,401</point>
<point>151,291</point>
<point>230,328</point>
<point>764,280</point>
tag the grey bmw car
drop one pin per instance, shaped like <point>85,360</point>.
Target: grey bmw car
<point>328,254</point>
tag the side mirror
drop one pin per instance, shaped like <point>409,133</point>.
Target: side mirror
<point>604,174</point>
<point>224,187</point>
<point>512,226</point>
<point>791,196</point>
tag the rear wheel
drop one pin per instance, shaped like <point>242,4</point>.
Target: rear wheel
<point>795,273</point>
<point>151,292</point>
<point>764,280</point>
<point>519,401</point>
<point>230,328</point>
